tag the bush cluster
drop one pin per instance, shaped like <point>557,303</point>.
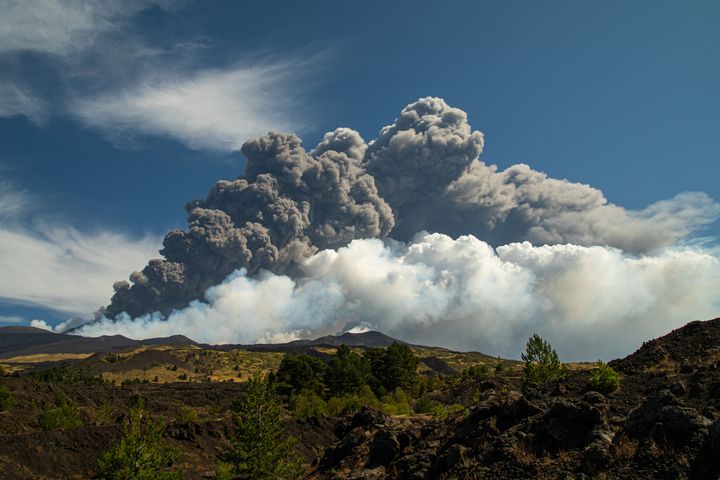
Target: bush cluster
<point>380,378</point>
<point>64,414</point>
<point>66,375</point>
<point>604,378</point>
<point>6,399</point>
<point>187,416</point>
<point>477,372</point>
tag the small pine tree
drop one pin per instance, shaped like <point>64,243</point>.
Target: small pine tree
<point>542,364</point>
<point>262,448</point>
<point>604,379</point>
<point>141,453</point>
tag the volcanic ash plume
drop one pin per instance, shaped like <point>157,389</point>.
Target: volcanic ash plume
<point>289,204</point>
<point>422,173</point>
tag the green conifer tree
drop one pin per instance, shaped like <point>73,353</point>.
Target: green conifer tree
<point>542,363</point>
<point>262,448</point>
<point>347,371</point>
<point>141,453</point>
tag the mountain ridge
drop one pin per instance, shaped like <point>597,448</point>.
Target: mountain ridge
<point>21,341</point>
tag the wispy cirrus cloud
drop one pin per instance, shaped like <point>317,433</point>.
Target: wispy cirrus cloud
<point>16,101</point>
<point>217,109</point>
<point>63,38</point>
<point>116,78</point>
<point>11,320</point>
<point>50,264</point>
<point>62,27</point>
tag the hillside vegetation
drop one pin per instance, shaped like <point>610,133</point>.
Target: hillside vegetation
<point>395,411</point>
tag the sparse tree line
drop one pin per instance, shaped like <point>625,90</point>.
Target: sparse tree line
<point>386,378</point>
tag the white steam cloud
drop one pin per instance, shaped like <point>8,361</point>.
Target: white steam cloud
<point>590,302</point>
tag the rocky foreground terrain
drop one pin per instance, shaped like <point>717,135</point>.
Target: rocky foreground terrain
<point>662,423</point>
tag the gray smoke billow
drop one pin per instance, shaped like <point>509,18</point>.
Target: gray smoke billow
<point>422,173</point>
<point>289,204</point>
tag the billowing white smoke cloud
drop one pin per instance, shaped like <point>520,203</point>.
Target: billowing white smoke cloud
<point>590,302</point>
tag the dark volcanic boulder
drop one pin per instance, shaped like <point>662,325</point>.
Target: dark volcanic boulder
<point>368,417</point>
<point>567,424</point>
<point>341,450</point>
<point>508,410</point>
<point>384,448</point>
<point>455,456</point>
<point>597,457</point>
<point>665,409</point>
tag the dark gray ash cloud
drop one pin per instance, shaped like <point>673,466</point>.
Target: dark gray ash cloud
<point>423,172</point>
<point>289,204</point>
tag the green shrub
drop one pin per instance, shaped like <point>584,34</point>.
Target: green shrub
<point>187,415</point>
<point>542,364</point>
<point>105,414</point>
<point>477,372</point>
<point>424,404</point>
<point>441,412</point>
<point>6,399</point>
<point>66,375</point>
<point>477,396</point>
<point>430,383</point>
<point>224,471</point>
<point>307,403</point>
<point>261,447</point>
<point>141,452</point>
<point>341,404</point>
<point>396,403</point>
<point>63,415</point>
<point>604,379</point>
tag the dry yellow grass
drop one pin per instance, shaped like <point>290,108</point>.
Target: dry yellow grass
<point>664,365</point>
<point>203,365</point>
<point>524,453</point>
<point>46,357</point>
<point>7,368</point>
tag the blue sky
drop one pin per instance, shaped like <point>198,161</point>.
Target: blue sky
<point>112,117</point>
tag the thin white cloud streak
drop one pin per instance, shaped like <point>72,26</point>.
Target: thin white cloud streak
<point>62,27</point>
<point>212,109</point>
<point>60,268</point>
<point>12,320</point>
<point>15,101</point>
<point>13,202</point>
<point>140,87</point>
<point>590,302</point>
<point>55,266</point>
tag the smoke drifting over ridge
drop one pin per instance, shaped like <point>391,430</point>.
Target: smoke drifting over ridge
<point>308,241</point>
<point>592,302</point>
